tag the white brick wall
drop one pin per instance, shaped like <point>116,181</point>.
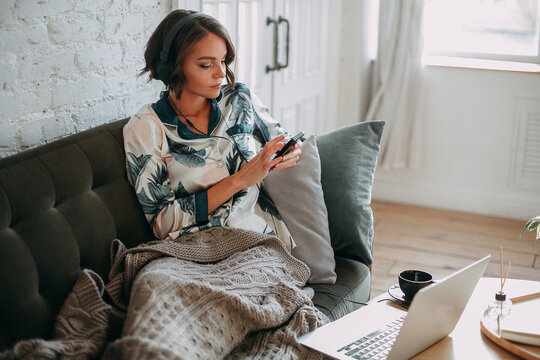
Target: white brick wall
<point>67,65</point>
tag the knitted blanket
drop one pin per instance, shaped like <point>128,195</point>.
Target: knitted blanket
<point>219,293</point>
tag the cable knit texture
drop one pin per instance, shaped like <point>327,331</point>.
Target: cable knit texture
<point>220,293</point>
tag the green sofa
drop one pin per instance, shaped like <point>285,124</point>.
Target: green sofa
<point>62,203</point>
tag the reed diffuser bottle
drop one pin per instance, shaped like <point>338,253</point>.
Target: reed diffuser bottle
<point>501,306</point>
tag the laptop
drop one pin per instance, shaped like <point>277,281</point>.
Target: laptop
<point>432,315</point>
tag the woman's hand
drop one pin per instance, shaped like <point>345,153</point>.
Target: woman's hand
<point>257,168</point>
<point>291,158</point>
<point>253,172</point>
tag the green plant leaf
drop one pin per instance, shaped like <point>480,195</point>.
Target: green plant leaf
<point>531,225</point>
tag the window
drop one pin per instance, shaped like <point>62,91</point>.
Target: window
<point>484,30</point>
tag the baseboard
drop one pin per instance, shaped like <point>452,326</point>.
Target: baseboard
<point>510,204</point>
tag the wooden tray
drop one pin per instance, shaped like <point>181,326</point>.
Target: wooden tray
<point>489,328</point>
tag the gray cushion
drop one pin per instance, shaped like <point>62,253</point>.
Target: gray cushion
<point>348,161</point>
<point>297,193</point>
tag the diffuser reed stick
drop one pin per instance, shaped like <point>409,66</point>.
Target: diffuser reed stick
<point>501,306</point>
<point>503,280</point>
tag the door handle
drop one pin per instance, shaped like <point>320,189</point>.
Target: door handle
<point>287,37</point>
<point>275,65</point>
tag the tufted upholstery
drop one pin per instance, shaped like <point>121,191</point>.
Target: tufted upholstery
<point>60,206</point>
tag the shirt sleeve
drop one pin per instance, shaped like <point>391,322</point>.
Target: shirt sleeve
<point>266,127</point>
<point>169,214</point>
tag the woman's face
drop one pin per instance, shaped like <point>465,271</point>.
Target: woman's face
<point>204,67</point>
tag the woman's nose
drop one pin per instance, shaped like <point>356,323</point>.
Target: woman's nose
<point>220,73</point>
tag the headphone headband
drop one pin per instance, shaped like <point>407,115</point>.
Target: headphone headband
<point>164,68</point>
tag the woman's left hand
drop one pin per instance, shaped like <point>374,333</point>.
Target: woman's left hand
<point>291,158</point>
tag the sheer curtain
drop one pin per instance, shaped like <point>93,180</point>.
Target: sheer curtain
<point>397,81</point>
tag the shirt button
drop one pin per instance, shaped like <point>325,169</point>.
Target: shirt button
<point>212,142</point>
<point>220,163</point>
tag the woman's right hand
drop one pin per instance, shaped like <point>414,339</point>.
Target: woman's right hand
<point>258,168</point>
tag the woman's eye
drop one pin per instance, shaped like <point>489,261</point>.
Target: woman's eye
<point>205,66</point>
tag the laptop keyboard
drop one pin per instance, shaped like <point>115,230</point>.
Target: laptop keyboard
<point>375,345</point>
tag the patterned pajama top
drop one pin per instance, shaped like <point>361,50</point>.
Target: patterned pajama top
<point>171,167</point>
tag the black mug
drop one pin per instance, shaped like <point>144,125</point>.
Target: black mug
<point>410,281</point>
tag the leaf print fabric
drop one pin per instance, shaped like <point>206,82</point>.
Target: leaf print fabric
<point>186,155</point>
<point>232,162</point>
<point>135,165</point>
<point>266,203</point>
<point>157,193</point>
<point>180,191</point>
<point>171,174</point>
<point>238,198</point>
<point>187,205</point>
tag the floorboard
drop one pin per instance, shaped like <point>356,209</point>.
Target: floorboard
<point>442,242</point>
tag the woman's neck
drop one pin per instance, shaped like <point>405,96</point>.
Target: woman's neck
<point>192,111</point>
<point>191,105</point>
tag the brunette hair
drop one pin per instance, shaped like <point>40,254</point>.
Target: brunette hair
<point>182,45</point>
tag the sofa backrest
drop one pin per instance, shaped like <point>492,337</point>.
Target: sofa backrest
<point>61,204</point>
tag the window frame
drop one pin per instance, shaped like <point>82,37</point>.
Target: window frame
<point>480,60</point>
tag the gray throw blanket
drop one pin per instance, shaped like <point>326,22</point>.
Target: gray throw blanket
<point>219,293</point>
<point>214,294</point>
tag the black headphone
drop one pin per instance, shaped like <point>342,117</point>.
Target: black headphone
<point>165,68</point>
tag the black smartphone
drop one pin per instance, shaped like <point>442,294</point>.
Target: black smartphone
<point>289,144</point>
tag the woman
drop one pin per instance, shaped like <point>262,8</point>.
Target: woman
<point>197,157</point>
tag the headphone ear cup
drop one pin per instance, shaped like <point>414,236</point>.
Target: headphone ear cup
<point>164,71</point>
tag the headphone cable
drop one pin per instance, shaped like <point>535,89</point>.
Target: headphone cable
<point>184,116</point>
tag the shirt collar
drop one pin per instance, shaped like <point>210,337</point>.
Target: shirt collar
<point>167,115</point>
<point>164,110</point>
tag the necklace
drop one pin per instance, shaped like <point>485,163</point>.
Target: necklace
<point>185,118</point>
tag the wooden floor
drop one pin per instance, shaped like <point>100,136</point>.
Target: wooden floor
<point>441,242</point>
